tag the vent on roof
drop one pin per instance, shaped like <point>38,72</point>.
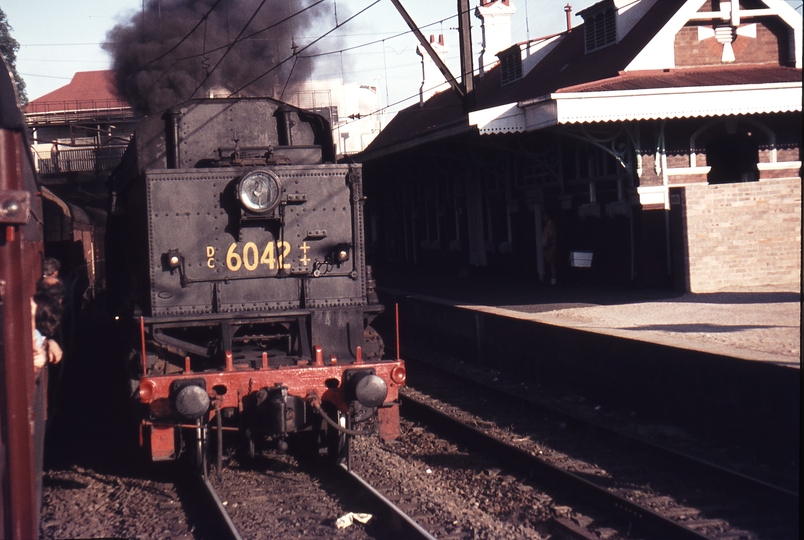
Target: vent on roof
<point>511,66</point>
<point>600,30</point>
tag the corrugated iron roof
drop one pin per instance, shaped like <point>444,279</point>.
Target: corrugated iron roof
<point>680,78</point>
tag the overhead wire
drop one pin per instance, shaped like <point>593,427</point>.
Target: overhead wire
<point>209,74</point>
<point>205,57</point>
<point>399,102</point>
<point>385,63</point>
<point>296,54</point>
<point>240,38</point>
<point>287,81</point>
<point>229,44</point>
<point>382,40</point>
<point>405,99</point>
<point>282,62</point>
<point>246,38</point>
<point>186,37</point>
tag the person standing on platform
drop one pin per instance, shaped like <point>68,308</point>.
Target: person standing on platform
<point>54,156</point>
<point>549,245</point>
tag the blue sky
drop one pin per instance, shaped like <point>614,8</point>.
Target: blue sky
<point>60,38</point>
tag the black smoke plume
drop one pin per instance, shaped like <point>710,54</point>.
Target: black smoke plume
<point>177,49</point>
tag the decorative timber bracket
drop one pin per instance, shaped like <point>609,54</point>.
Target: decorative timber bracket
<point>622,143</point>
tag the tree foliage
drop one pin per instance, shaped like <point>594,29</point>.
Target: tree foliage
<point>8,48</point>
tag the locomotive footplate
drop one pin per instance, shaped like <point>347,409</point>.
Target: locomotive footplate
<point>300,327</point>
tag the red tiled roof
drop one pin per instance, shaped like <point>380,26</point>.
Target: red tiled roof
<point>683,78</point>
<point>88,90</point>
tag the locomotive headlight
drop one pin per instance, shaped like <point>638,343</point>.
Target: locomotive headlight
<point>259,191</point>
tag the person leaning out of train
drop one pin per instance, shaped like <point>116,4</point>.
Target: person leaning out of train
<point>50,282</point>
<point>46,312</point>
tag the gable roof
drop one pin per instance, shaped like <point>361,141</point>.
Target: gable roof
<point>566,65</point>
<point>565,70</point>
<point>88,90</point>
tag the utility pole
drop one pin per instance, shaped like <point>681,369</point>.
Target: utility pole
<point>467,68</point>
<point>464,89</point>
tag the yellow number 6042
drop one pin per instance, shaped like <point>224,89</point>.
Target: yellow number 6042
<point>274,255</point>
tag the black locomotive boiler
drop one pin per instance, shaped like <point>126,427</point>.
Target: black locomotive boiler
<point>235,250</point>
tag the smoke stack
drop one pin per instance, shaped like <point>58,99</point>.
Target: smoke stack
<point>568,11</point>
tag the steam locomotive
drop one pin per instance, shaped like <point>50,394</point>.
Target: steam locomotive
<point>235,249</point>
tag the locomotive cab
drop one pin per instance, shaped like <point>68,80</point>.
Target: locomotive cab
<point>236,251</point>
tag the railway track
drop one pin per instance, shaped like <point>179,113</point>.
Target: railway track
<point>283,497</point>
<point>650,489</point>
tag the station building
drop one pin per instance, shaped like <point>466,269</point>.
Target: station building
<point>662,137</point>
<point>78,134</point>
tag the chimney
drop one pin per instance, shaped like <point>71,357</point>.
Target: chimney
<point>495,25</point>
<point>432,79</point>
<point>568,11</point>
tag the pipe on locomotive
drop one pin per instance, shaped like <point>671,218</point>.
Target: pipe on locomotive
<point>284,125</point>
<point>171,118</point>
<point>315,403</point>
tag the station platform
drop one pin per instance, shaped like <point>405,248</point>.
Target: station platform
<point>759,324</point>
<point>722,366</point>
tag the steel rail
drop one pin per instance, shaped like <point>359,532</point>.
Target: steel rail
<point>641,518</point>
<point>392,517</point>
<point>780,494</point>
<point>226,529</point>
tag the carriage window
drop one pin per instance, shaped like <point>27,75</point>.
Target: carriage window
<point>733,158</point>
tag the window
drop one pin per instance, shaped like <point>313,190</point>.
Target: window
<point>600,30</point>
<point>733,158</point>
<point>511,67</point>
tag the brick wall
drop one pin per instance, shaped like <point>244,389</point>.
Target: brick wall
<point>744,235</point>
<point>769,46</point>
